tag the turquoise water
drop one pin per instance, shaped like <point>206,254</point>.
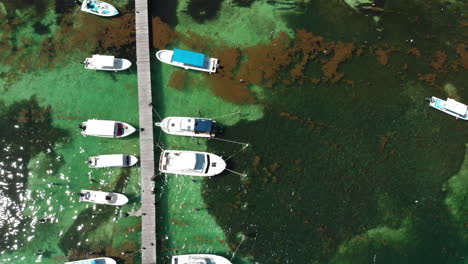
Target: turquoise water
<point>345,163</point>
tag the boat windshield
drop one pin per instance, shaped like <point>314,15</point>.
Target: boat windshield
<point>119,129</point>
<point>200,164</point>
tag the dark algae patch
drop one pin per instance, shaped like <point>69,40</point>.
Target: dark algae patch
<point>343,179</point>
<point>203,10</point>
<point>26,132</point>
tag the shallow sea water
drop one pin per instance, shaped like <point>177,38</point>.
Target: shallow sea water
<point>346,162</point>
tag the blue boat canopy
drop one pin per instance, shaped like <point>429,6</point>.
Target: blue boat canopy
<point>203,125</point>
<point>189,57</point>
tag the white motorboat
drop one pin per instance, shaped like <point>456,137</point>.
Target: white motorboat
<point>99,197</point>
<point>188,126</point>
<point>112,161</point>
<point>106,128</point>
<point>188,60</point>
<point>199,259</point>
<point>451,107</point>
<point>102,260</point>
<point>193,163</point>
<point>106,63</point>
<point>99,8</point>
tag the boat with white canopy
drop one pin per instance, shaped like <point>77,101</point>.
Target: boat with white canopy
<point>106,128</point>
<point>99,8</point>
<point>112,161</point>
<point>99,197</point>
<point>450,106</point>
<point>188,126</point>
<point>106,63</point>
<point>199,259</point>
<point>102,260</point>
<point>193,163</point>
<point>188,60</point>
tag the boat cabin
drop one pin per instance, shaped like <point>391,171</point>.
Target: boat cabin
<point>197,125</point>
<point>104,128</point>
<point>103,61</point>
<point>456,107</point>
<point>186,161</point>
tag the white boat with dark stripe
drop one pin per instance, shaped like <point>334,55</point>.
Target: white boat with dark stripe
<point>106,128</point>
<point>98,197</point>
<point>103,260</point>
<point>188,60</point>
<point>188,126</point>
<point>199,259</point>
<point>112,161</point>
<point>449,106</point>
<point>106,63</point>
<point>192,163</point>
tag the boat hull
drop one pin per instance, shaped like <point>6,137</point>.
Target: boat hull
<point>199,258</point>
<point>104,10</point>
<point>166,57</point>
<point>126,129</point>
<point>112,161</point>
<point>171,125</point>
<point>98,197</point>
<point>439,104</point>
<point>103,260</point>
<point>213,164</point>
<point>121,65</point>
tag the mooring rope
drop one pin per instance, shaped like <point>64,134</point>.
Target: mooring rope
<point>154,110</point>
<point>238,112</point>
<point>237,152</point>
<point>232,141</point>
<point>234,254</point>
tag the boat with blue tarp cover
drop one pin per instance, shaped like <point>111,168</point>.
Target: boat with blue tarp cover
<point>449,106</point>
<point>188,126</point>
<point>99,8</point>
<point>193,163</point>
<point>103,260</point>
<point>188,60</point>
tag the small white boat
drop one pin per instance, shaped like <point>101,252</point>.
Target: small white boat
<point>193,163</point>
<point>112,161</point>
<point>99,197</point>
<point>451,107</point>
<point>102,260</point>
<point>188,126</point>
<point>188,60</point>
<point>106,63</point>
<point>99,8</point>
<point>199,259</point>
<point>106,128</point>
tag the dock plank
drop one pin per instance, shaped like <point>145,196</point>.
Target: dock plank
<point>148,207</point>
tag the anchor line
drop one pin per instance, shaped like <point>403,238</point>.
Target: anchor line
<point>237,173</point>
<point>237,152</point>
<point>238,112</point>
<point>129,255</point>
<point>243,238</point>
<point>231,141</point>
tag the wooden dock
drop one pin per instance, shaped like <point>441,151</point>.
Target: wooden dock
<point>148,207</point>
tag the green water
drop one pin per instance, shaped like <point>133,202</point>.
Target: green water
<point>46,93</point>
<point>360,170</point>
